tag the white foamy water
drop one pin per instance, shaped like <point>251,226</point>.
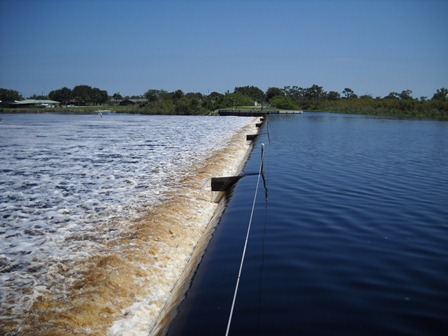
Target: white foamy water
<point>62,177</point>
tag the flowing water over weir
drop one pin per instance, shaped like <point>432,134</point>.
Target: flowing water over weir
<point>100,216</point>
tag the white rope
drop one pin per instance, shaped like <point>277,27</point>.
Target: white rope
<point>245,243</point>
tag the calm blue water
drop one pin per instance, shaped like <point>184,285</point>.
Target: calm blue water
<point>352,241</point>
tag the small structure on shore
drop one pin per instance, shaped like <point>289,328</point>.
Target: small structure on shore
<point>129,101</point>
<point>254,113</point>
<point>35,103</point>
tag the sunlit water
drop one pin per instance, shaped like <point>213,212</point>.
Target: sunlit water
<point>70,183</point>
<point>353,239</point>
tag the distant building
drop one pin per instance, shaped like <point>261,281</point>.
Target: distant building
<point>114,101</point>
<point>127,102</point>
<point>35,103</point>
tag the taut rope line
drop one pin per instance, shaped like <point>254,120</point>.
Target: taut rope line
<point>260,173</point>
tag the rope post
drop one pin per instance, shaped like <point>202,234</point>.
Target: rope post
<point>262,158</point>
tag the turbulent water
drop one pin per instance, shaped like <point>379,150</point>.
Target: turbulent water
<point>352,240</point>
<point>76,195</point>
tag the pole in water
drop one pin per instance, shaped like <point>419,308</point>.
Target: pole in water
<point>262,173</point>
<point>262,158</point>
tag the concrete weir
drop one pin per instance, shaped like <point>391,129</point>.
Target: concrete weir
<point>217,188</point>
<point>221,185</point>
<point>254,113</point>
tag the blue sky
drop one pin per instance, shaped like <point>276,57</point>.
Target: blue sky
<point>373,47</point>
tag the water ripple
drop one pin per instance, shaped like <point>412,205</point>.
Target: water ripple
<point>354,239</point>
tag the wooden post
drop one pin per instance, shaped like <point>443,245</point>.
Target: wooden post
<point>223,183</point>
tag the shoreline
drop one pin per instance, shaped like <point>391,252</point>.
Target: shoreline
<point>131,285</point>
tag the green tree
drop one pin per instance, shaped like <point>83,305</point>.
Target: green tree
<point>154,95</point>
<point>273,92</point>
<point>349,93</point>
<point>236,99</point>
<point>313,97</point>
<point>158,107</point>
<point>82,94</point>
<point>176,95</point>
<point>392,95</point>
<point>99,96</point>
<point>333,95</point>
<point>213,101</point>
<point>9,95</point>
<point>64,95</point>
<point>117,96</point>
<point>406,94</point>
<point>441,94</point>
<point>251,91</point>
<point>89,95</point>
<point>196,95</point>
<point>189,106</point>
<point>36,96</point>
<point>284,103</point>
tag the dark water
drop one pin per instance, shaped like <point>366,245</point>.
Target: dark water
<point>352,241</point>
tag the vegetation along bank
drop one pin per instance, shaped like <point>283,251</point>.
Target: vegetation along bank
<point>84,98</point>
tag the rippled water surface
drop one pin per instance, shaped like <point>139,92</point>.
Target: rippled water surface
<point>69,184</point>
<point>353,239</point>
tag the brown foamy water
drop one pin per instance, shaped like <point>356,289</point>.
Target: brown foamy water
<point>126,286</point>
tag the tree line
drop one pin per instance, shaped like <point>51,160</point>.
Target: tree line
<point>314,98</point>
<point>79,95</point>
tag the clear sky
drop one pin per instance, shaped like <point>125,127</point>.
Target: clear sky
<point>129,46</point>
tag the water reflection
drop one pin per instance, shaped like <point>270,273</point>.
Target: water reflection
<point>352,240</point>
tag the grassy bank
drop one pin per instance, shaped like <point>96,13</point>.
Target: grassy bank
<point>416,111</point>
<point>388,107</point>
